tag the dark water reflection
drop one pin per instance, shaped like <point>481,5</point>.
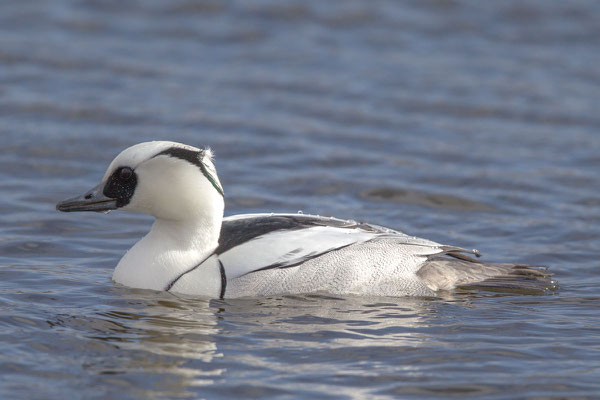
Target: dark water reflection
<point>470,123</point>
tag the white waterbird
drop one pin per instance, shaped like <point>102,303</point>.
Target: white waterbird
<point>192,249</point>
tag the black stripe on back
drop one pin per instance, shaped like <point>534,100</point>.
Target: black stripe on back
<point>300,261</point>
<point>238,231</point>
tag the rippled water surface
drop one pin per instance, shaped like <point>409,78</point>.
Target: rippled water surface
<point>470,123</point>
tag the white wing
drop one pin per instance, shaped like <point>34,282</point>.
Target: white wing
<point>299,238</point>
<point>282,249</point>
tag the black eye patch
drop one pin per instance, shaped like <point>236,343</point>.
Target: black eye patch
<point>121,185</point>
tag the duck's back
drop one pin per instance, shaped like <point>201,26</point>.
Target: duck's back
<point>265,254</point>
<point>268,254</point>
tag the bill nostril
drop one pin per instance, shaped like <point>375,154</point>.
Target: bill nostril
<point>88,196</point>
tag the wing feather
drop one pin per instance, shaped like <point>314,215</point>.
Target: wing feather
<point>281,249</point>
<point>256,242</point>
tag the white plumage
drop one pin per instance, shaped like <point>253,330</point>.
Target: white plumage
<point>192,249</point>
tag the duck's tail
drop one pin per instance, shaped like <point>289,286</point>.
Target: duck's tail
<point>446,273</point>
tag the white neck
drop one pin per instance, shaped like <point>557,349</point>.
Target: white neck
<point>169,249</point>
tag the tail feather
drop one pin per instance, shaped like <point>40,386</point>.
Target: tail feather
<point>444,273</point>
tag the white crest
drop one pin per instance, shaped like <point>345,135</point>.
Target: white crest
<point>133,156</point>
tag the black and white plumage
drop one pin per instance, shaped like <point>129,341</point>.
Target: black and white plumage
<point>192,249</point>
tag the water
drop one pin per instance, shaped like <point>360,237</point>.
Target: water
<point>470,123</point>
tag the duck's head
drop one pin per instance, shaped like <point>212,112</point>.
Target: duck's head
<point>165,179</point>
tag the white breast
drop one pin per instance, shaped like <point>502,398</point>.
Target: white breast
<point>202,280</point>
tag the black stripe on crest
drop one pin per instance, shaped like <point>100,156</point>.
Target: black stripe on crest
<point>194,157</point>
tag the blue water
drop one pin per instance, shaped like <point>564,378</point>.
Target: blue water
<point>469,123</point>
